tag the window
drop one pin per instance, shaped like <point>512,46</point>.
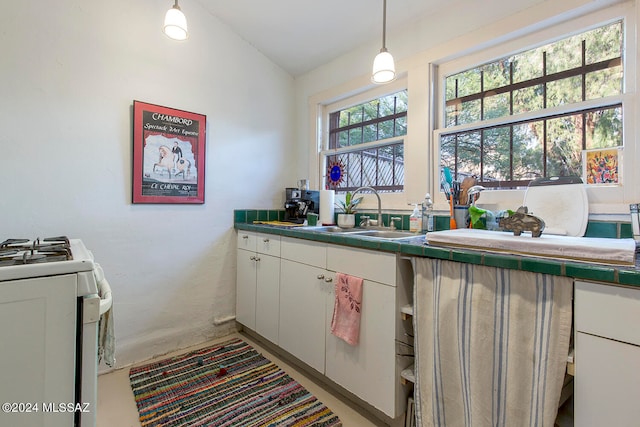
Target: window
<point>366,146</point>
<point>531,114</point>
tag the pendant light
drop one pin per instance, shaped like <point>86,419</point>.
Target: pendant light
<point>384,70</point>
<point>175,23</point>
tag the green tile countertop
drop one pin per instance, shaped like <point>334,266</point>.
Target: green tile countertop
<point>617,275</point>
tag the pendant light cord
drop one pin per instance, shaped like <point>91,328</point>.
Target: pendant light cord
<point>384,25</point>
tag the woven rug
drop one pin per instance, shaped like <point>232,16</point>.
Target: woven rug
<point>229,384</point>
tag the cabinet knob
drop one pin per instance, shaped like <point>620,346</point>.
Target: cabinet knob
<point>320,276</point>
<point>257,258</point>
<point>328,280</point>
<point>266,240</point>
<point>245,237</point>
<point>252,258</point>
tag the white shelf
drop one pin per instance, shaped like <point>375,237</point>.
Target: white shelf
<point>408,375</point>
<point>407,311</point>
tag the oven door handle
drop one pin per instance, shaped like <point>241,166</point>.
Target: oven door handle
<point>105,296</point>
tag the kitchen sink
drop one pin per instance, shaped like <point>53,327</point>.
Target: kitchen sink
<point>334,229</point>
<point>368,232</point>
<point>389,234</point>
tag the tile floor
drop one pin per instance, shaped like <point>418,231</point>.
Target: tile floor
<point>116,405</point>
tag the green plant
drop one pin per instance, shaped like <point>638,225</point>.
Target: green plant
<point>349,204</point>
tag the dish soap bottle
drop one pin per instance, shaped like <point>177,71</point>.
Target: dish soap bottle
<point>427,213</point>
<point>415,220</point>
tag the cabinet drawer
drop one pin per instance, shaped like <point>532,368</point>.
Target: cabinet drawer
<point>268,244</point>
<point>304,251</point>
<point>372,265</point>
<point>608,311</point>
<point>246,240</point>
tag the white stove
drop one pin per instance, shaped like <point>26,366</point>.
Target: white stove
<point>52,294</point>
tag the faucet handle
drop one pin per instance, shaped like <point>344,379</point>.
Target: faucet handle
<point>392,222</point>
<point>365,220</point>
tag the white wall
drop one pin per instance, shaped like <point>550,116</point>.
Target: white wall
<point>446,35</point>
<point>69,73</point>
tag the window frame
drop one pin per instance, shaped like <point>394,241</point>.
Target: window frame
<point>529,39</point>
<point>349,100</point>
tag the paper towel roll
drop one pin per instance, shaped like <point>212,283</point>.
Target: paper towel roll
<point>327,200</point>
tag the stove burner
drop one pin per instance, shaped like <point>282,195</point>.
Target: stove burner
<point>24,251</point>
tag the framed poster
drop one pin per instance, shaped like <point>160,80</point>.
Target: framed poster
<point>602,165</point>
<point>168,155</point>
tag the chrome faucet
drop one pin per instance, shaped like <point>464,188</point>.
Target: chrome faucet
<point>379,222</point>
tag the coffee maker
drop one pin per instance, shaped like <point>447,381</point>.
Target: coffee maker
<point>298,203</point>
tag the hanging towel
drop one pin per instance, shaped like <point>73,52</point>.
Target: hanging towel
<point>106,334</point>
<point>347,309</point>
<point>491,344</point>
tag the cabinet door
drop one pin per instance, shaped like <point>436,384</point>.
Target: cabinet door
<point>268,244</point>
<point>303,292</point>
<point>367,369</point>
<point>246,288</point>
<point>267,296</point>
<point>37,361</point>
<point>607,382</point>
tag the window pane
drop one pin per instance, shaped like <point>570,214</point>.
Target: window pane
<point>386,129</point>
<point>401,126</point>
<point>496,75</point>
<point>387,105</point>
<point>527,65</point>
<point>370,133</point>
<point>528,148</point>
<point>564,55</point>
<point>565,91</point>
<point>604,43</point>
<point>448,151</point>
<point>468,154</point>
<point>355,136</point>
<point>528,99</point>
<point>469,112</point>
<point>451,114</point>
<point>603,83</point>
<point>496,160</point>
<point>496,106</point>
<point>371,110</point>
<point>343,139</point>
<point>564,146</point>
<point>604,128</point>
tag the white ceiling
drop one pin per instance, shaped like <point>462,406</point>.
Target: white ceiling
<point>300,35</point>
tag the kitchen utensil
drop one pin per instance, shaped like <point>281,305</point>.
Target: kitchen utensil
<point>474,193</point>
<point>466,184</point>
<point>452,219</point>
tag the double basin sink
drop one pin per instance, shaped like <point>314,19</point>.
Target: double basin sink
<point>385,234</point>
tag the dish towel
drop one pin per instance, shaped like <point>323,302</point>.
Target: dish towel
<point>491,344</point>
<point>347,309</point>
<point>106,334</point>
<point>106,339</point>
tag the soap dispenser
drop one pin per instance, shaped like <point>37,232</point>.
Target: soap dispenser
<point>415,220</point>
<point>427,213</point>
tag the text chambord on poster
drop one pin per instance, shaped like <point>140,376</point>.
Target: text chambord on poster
<point>168,155</point>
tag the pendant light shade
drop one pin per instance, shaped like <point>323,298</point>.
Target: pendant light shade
<point>384,69</point>
<point>175,23</point>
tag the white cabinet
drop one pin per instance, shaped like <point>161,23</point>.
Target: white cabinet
<point>258,283</point>
<point>305,304</point>
<point>607,355</point>
<point>38,318</point>
<point>302,312</point>
<point>367,369</point>
<point>305,286</point>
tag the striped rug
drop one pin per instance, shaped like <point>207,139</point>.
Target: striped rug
<point>229,384</point>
